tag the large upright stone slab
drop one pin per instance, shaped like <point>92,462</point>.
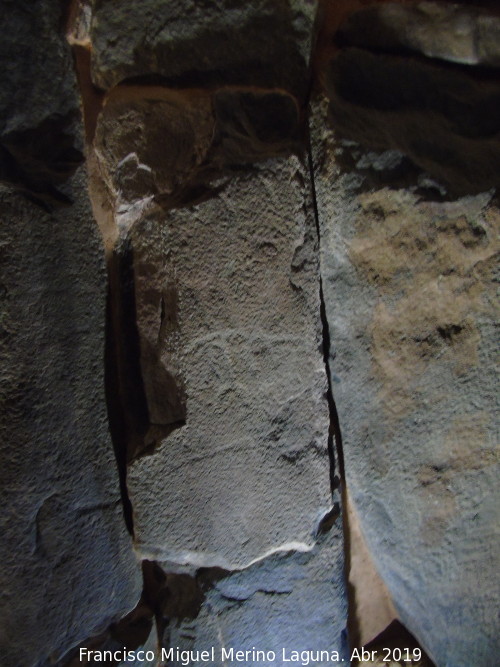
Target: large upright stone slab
<point>67,567</point>
<point>408,276</point>
<point>227,297</point>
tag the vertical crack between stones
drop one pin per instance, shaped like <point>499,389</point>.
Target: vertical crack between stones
<point>113,388</point>
<point>335,444</point>
<point>335,450</point>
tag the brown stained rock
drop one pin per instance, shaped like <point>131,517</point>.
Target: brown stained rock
<point>92,98</point>
<point>444,118</point>
<point>371,608</point>
<point>437,263</point>
<point>203,43</point>
<point>151,140</point>
<point>157,142</point>
<point>409,284</point>
<point>78,20</point>
<point>467,446</point>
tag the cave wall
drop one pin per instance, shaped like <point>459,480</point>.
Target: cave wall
<point>248,272</point>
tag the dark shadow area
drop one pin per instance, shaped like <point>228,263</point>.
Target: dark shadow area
<point>126,401</point>
<point>398,645</point>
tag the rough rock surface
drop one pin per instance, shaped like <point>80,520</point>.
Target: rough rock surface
<point>65,552</point>
<point>409,290</point>
<point>227,303</point>
<point>459,33</point>
<point>44,87</point>
<point>203,43</point>
<point>149,141</point>
<point>134,634</point>
<point>67,562</point>
<point>39,108</point>
<point>157,143</point>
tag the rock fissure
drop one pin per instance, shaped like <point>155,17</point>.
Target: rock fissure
<point>335,450</point>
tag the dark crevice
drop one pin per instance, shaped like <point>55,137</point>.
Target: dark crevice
<point>173,598</point>
<point>116,426</point>
<point>396,639</point>
<point>253,73</point>
<point>335,450</point>
<point>126,402</point>
<point>145,402</point>
<point>329,519</point>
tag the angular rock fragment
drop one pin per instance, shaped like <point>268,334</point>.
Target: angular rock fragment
<point>408,276</point>
<point>227,294</point>
<point>151,140</point>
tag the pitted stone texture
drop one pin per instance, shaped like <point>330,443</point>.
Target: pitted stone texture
<point>445,30</point>
<point>290,600</point>
<point>227,292</point>
<point>410,301</point>
<point>203,43</point>
<point>67,564</point>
